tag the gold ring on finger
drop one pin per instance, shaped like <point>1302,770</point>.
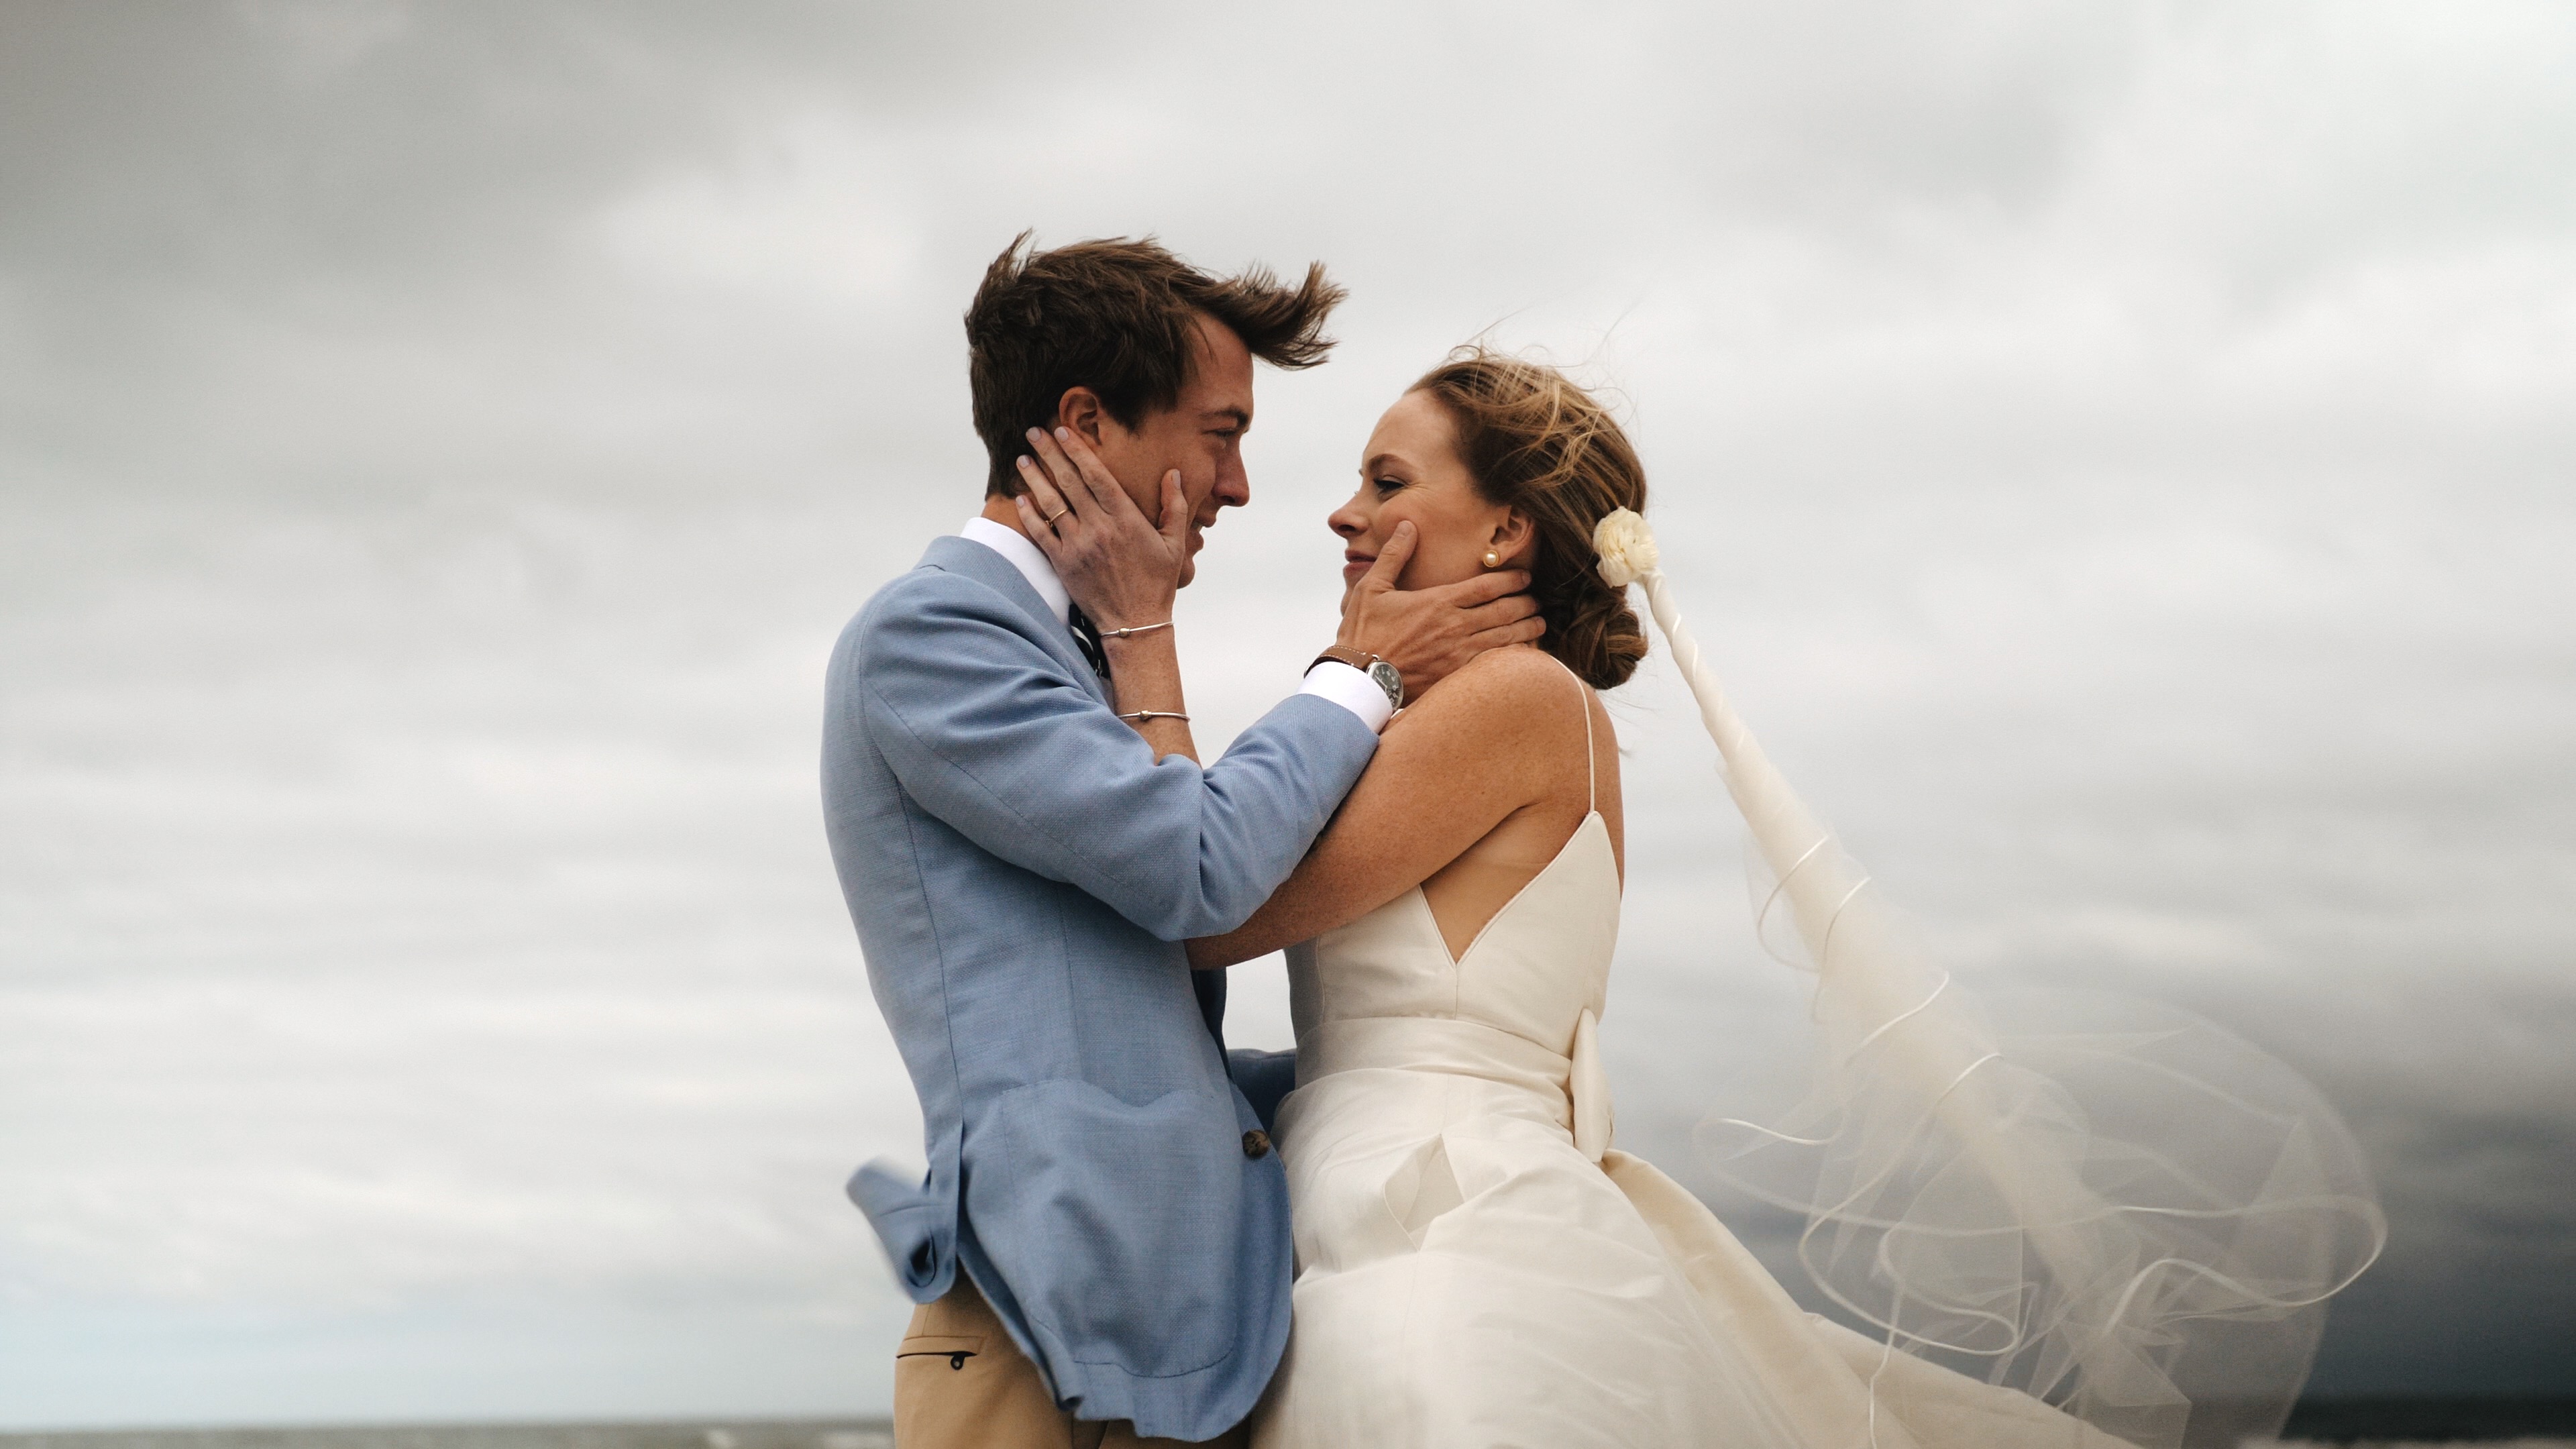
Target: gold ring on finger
<point>1052,517</point>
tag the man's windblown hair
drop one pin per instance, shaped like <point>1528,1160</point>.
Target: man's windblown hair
<point>1115,316</point>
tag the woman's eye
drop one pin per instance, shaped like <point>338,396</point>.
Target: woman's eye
<point>1386,486</point>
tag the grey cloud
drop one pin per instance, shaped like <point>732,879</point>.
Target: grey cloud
<point>2117,459</point>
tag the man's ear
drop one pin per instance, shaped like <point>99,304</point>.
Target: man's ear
<point>1080,410</point>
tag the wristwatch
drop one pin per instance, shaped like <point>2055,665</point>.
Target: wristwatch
<point>1382,674</point>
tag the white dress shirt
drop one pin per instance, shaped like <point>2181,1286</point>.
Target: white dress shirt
<point>1331,679</point>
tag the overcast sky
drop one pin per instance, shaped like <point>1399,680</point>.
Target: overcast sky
<point>2119,455</point>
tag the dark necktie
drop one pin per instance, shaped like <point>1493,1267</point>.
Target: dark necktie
<point>1087,634</point>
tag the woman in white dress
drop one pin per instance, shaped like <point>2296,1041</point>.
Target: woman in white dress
<point>1475,1264</point>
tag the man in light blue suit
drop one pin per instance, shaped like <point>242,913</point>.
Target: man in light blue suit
<point>1100,1248</point>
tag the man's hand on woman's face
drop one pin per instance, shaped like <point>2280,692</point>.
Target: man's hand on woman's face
<point>1427,634</point>
<point>1119,565</point>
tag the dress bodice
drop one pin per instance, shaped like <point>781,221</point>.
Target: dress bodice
<point>1477,1267</point>
<point>1516,1010</point>
<point>1535,968</point>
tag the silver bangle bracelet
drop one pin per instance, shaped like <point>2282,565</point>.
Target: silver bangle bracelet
<point>1142,715</point>
<point>1134,630</point>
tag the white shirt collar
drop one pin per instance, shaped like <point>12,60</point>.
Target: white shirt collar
<point>1024,556</point>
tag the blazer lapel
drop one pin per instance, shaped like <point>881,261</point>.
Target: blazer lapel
<point>965,556</point>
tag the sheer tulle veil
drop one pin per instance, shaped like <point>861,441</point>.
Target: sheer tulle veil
<point>2118,1207</point>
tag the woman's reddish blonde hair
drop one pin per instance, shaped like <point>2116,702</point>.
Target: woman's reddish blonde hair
<point>1535,441</point>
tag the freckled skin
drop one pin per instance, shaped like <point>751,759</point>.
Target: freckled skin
<point>1118,563</point>
<point>1479,783</point>
<point>1410,470</point>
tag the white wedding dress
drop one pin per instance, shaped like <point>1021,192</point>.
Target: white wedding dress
<point>1476,1268</point>
<point>2123,1220</point>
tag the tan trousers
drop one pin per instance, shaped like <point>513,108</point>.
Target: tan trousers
<point>960,1383</point>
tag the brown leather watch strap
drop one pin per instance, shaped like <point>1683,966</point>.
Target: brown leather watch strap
<point>1392,680</point>
<point>1359,659</point>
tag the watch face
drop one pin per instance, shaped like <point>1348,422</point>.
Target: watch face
<point>1390,680</point>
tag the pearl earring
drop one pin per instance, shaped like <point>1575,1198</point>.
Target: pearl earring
<point>1493,560</point>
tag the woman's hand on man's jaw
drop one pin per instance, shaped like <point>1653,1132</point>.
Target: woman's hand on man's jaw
<point>1124,570</point>
<point>1119,565</point>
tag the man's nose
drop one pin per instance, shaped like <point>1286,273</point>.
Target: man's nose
<point>1233,486</point>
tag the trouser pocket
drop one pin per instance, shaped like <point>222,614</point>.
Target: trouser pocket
<point>960,1383</point>
<point>956,1348</point>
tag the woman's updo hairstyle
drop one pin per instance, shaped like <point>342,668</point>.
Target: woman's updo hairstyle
<point>1534,441</point>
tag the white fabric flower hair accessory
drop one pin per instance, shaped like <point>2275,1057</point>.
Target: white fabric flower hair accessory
<point>1626,546</point>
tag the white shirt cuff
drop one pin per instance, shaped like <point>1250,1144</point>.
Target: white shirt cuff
<point>1352,690</point>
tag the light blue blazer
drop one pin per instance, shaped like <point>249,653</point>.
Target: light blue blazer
<point>1022,873</point>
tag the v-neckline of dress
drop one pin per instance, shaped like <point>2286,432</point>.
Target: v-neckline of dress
<point>1459,959</point>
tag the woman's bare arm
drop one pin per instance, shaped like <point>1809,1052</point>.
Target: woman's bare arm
<point>1500,735</point>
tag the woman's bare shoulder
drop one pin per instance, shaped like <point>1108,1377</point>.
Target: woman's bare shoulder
<point>1508,690</point>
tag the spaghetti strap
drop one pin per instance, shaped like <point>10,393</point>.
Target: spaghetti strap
<point>1591,771</point>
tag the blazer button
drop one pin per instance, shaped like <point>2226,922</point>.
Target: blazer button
<point>1256,1143</point>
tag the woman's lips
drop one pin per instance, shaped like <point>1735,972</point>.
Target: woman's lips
<point>1354,565</point>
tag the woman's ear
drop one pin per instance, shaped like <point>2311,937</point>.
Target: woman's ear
<point>1514,537</point>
